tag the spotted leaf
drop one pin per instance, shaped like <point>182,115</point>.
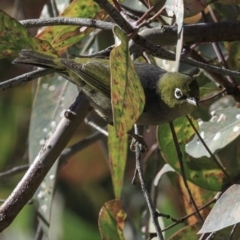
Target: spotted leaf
<point>111,220</point>
<point>126,90</point>
<point>14,37</point>
<point>117,159</point>
<point>222,129</point>
<point>64,36</point>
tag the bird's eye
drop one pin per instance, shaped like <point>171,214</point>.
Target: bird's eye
<point>178,93</point>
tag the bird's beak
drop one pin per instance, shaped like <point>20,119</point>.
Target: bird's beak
<point>193,101</point>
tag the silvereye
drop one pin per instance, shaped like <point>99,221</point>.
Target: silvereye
<point>168,95</point>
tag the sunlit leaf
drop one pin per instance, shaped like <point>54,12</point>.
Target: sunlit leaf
<point>126,90</point>
<point>117,158</point>
<point>14,37</point>
<point>111,220</point>
<point>62,37</point>
<point>225,212</point>
<point>222,129</point>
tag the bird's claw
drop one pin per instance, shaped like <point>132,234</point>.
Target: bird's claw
<point>138,140</point>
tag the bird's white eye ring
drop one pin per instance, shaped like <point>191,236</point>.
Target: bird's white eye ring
<point>178,93</point>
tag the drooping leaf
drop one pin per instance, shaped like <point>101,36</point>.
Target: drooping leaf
<point>126,90</point>
<point>111,220</point>
<point>202,171</point>
<point>14,37</point>
<point>221,130</point>
<point>62,37</point>
<point>117,158</point>
<point>225,212</point>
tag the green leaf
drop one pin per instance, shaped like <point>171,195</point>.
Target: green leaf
<point>111,220</point>
<point>117,157</point>
<point>202,171</point>
<point>62,37</point>
<point>15,37</point>
<point>126,90</point>
<point>222,129</point>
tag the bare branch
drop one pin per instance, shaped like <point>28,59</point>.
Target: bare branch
<point>43,162</point>
<point>67,21</point>
<point>25,78</point>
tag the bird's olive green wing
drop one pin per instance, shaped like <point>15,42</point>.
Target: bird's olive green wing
<point>94,72</point>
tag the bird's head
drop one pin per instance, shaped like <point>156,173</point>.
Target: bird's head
<point>179,90</point>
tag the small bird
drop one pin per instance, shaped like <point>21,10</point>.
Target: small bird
<point>168,95</point>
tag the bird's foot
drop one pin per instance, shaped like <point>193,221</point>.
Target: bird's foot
<point>138,140</point>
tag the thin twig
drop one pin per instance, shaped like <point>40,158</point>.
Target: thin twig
<point>25,78</point>
<point>146,194</point>
<point>87,141</point>
<point>157,51</point>
<point>180,220</point>
<point>39,232</point>
<point>209,151</point>
<point>14,170</point>
<point>95,126</point>
<point>232,231</point>
<point>179,153</point>
<point>215,45</point>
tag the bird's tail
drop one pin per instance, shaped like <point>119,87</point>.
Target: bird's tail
<point>37,59</point>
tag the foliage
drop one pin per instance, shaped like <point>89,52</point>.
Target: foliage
<point>88,194</point>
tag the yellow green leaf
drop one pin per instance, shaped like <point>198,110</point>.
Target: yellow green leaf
<point>14,37</point>
<point>117,157</point>
<point>62,37</point>
<point>111,220</point>
<point>126,90</point>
